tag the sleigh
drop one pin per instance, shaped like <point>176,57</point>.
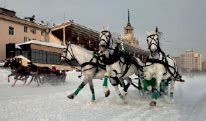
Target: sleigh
<point>54,77</point>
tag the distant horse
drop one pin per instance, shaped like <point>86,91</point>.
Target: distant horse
<point>34,73</point>
<point>17,70</point>
<point>160,66</point>
<point>20,72</point>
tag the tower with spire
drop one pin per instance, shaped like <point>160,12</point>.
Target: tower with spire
<point>129,34</point>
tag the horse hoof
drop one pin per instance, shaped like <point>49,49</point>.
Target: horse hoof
<point>107,93</point>
<point>171,101</point>
<point>93,101</point>
<point>153,103</point>
<point>71,96</point>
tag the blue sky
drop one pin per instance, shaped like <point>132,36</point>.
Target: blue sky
<point>183,22</point>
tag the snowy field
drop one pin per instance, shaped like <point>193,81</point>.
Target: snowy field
<point>50,103</point>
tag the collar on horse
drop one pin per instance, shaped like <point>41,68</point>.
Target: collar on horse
<point>164,62</point>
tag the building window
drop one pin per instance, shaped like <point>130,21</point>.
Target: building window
<point>53,58</point>
<point>39,56</point>
<point>11,30</point>
<point>25,29</point>
<point>25,54</point>
<point>33,30</point>
<point>42,33</point>
<point>25,39</point>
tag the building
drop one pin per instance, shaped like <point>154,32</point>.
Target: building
<point>43,45</point>
<point>129,37</point>
<point>76,34</point>
<point>17,30</point>
<point>41,52</point>
<point>204,65</point>
<point>191,61</point>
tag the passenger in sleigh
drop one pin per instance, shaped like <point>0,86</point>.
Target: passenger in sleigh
<point>54,70</point>
<point>62,76</point>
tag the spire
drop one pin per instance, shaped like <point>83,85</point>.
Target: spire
<point>128,17</point>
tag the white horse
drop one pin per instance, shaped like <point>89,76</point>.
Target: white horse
<point>91,69</point>
<point>160,66</point>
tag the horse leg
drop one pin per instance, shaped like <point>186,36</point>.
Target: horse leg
<point>14,83</point>
<point>9,76</point>
<point>125,88</point>
<point>25,80</point>
<point>119,94</point>
<point>16,78</point>
<point>115,81</point>
<point>156,92</point>
<point>38,80</point>
<point>105,84</point>
<point>12,74</point>
<point>92,90</point>
<point>80,87</point>
<point>171,90</point>
<point>32,77</point>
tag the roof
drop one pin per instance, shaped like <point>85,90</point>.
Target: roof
<point>67,23</point>
<point>37,42</point>
<point>22,21</point>
<point>22,57</point>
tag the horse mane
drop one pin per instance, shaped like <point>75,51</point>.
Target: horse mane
<point>80,53</point>
<point>82,48</point>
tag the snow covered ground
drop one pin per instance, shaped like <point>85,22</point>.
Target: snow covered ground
<point>50,102</point>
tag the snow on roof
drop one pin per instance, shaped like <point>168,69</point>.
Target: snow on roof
<point>22,57</point>
<point>17,47</point>
<point>49,44</point>
<point>76,24</point>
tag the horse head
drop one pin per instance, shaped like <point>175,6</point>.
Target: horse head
<point>67,54</point>
<point>105,39</point>
<point>7,63</point>
<point>153,40</point>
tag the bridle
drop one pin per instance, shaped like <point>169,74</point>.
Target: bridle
<point>69,50</point>
<point>153,41</point>
<point>108,38</point>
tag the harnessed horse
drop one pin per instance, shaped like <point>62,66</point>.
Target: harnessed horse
<point>91,69</point>
<point>119,64</point>
<point>17,70</point>
<point>160,66</point>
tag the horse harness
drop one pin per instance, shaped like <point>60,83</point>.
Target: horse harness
<point>166,65</point>
<point>94,64</point>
